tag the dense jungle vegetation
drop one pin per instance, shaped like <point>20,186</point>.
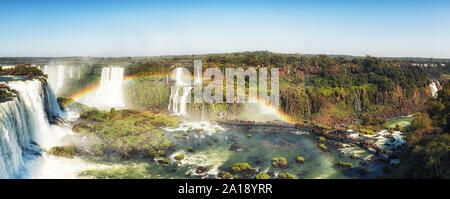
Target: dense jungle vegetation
<point>328,89</point>
<point>337,88</point>
<point>428,143</point>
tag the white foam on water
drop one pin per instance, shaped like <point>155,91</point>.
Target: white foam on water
<point>52,167</point>
<point>202,128</point>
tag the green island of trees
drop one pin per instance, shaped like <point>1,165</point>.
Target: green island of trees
<point>125,133</point>
<point>64,151</point>
<point>286,176</point>
<point>279,162</point>
<point>179,157</point>
<point>322,147</point>
<point>238,167</point>
<point>300,159</point>
<point>225,175</point>
<point>262,175</point>
<point>344,164</point>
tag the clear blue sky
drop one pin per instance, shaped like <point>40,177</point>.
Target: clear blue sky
<point>147,28</point>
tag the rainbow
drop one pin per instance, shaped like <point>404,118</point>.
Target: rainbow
<point>94,87</point>
<point>275,110</point>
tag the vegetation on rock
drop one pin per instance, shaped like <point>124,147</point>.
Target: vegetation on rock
<point>321,139</point>
<point>343,164</point>
<point>64,151</point>
<point>125,132</point>
<point>4,94</point>
<point>286,176</point>
<point>323,147</point>
<point>25,70</point>
<point>262,175</point>
<point>225,175</point>
<point>279,162</point>
<point>63,102</point>
<point>179,157</point>
<point>238,167</point>
<point>300,159</point>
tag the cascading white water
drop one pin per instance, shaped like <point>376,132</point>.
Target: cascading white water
<point>435,86</point>
<point>71,72</point>
<point>110,93</point>
<point>178,101</point>
<point>183,101</point>
<point>25,128</point>
<point>198,79</point>
<point>357,103</point>
<point>60,80</point>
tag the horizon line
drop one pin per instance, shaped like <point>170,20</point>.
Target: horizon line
<point>218,53</point>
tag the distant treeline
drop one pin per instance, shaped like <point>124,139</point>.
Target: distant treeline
<point>254,58</point>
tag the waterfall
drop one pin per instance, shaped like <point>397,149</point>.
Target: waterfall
<point>71,72</point>
<point>79,72</point>
<point>435,86</point>
<point>184,99</point>
<point>110,93</point>
<point>198,79</point>
<point>25,128</point>
<point>60,80</point>
<point>178,101</point>
<point>357,103</point>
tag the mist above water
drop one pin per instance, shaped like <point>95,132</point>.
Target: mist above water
<point>60,74</point>
<point>110,93</point>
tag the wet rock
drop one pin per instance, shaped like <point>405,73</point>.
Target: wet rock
<point>235,147</point>
<point>33,151</point>
<point>301,175</point>
<point>364,163</point>
<point>361,171</point>
<point>215,139</point>
<point>200,170</point>
<point>58,121</point>
<point>163,161</point>
<point>233,138</point>
<point>395,155</point>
